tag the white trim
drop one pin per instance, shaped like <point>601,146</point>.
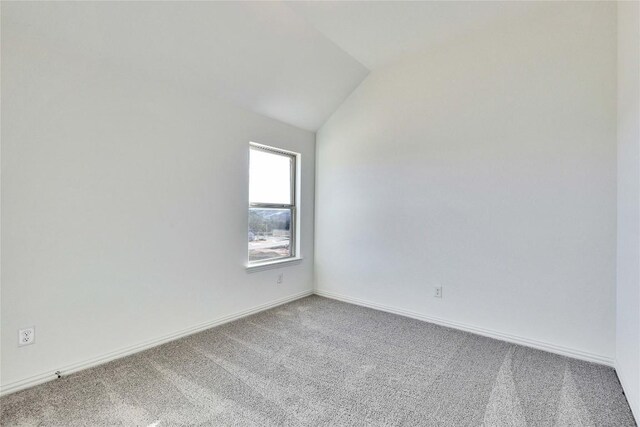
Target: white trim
<point>272,264</point>
<point>272,148</point>
<point>632,400</point>
<point>75,367</point>
<point>540,345</point>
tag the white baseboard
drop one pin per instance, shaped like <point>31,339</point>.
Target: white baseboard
<point>632,399</point>
<point>69,369</point>
<point>540,345</point>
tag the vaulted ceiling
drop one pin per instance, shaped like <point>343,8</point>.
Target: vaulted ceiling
<point>377,33</point>
<point>261,56</point>
<point>295,62</point>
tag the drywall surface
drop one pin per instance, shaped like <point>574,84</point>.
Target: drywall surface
<point>124,208</point>
<point>487,166</point>
<point>258,55</point>
<point>628,287</point>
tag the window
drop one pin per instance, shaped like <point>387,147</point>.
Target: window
<point>272,204</point>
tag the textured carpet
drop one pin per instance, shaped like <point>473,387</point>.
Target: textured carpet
<point>319,362</point>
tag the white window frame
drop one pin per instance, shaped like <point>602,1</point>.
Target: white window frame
<point>293,207</point>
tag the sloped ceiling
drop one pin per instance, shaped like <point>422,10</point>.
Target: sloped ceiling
<point>377,33</point>
<point>295,62</point>
<point>259,55</point>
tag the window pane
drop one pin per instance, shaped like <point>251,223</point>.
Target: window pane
<point>269,234</point>
<point>269,178</point>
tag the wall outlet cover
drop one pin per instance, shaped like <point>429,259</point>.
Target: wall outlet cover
<point>26,336</point>
<point>438,292</point>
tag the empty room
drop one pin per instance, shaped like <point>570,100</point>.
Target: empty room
<point>320,213</point>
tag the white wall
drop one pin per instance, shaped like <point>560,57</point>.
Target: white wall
<point>487,165</point>
<point>628,288</point>
<point>124,208</point>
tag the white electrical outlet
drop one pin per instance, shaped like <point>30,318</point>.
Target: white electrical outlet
<point>438,291</point>
<point>26,336</point>
<point>280,278</point>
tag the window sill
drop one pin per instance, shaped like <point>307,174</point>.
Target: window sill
<point>273,264</point>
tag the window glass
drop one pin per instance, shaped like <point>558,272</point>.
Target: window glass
<point>269,177</point>
<point>272,208</point>
<point>269,234</point>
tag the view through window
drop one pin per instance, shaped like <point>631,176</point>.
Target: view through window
<point>272,204</point>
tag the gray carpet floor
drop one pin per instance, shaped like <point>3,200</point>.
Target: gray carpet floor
<point>319,362</point>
